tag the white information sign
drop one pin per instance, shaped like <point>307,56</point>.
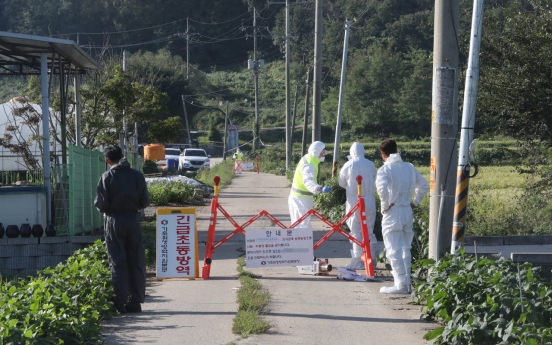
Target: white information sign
<point>176,245</point>
<point>246,166</point>
<point>278,247</point>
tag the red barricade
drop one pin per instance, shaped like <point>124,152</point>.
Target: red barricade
<point>360,206</point>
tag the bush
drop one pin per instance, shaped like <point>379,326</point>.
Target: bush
<point>63,305</point>
<point>479,301</point>
<point>150,167</point>
<point>161,194</point>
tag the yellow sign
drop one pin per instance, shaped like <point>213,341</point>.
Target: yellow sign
<point>432,170</point>
<point>176,245</point>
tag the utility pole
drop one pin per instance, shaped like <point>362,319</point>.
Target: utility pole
<point>305,117</point>
<point>340,102</point>
<point>288,56</point>
<point>63,115</point>
<point>317,79</point>
<point>187,50</point>
<point>78,139</point>
<point>465,159</point>
<point>255,65</point>
<point>225,133</point>
<point>292,128</point>
<point>124,110</point>
<point>444,125</point>
<point>186,118</point>
<point>288,122</point>
<point>257,134</point>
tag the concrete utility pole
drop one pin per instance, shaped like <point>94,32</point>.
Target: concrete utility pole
<point>340,102</point>
<point>257,134</point>
<point>186,118</point>
<point>225,133</point>
<point>465,159</point>
<point>187,51</point>
<point>78,139</point>
<point>292,128</point>
<point>305,117</point>
<point>317,79</point>
<point>288,117</point>
<point>444,125</point>
<point>63,111</point>
<point>125,67</point>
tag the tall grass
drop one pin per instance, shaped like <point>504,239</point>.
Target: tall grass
<point>225,170</point>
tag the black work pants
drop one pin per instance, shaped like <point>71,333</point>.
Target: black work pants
<point>127,256</point>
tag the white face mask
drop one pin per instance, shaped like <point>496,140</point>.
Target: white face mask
<point>322,158</point>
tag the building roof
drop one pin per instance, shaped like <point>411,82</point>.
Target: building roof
<point>20,54</point>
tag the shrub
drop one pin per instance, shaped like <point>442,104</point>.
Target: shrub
<point>161,193</point>
<point>150,167</point>
<point>484,301</point>
<point>62,305</point>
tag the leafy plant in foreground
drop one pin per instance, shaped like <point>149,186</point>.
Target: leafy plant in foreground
<point>62,305</point>
<point>484,302</point>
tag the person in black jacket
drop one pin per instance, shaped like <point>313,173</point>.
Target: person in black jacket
<point>121,193</point>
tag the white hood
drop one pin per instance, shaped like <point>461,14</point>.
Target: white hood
<point>357,150</point>
<point>316,148</point>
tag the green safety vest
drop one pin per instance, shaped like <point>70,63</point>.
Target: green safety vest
<point>238,156</point>
<point>298,188</point>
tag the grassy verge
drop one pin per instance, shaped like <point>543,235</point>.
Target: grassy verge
<point>253,301</point>
<point>225,170</point>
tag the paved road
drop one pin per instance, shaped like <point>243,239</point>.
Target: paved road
<point>304,309</point>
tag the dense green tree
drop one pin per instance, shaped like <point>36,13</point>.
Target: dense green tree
<point>516,76</point>
<point>105,95</point>
<point>165,131</point>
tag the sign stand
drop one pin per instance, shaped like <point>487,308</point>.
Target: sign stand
<point>177,254</point>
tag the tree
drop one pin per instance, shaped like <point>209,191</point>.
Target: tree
<point>105,95</point>
<point>165,131</point>
<point>516,77</point>
<point>214,133</point>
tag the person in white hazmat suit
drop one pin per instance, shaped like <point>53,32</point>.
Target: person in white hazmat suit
<point>396,183</point>
<point>358,165</point>
<point>305,185</point>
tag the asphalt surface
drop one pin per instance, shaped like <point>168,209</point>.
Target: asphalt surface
<point>304,309</point>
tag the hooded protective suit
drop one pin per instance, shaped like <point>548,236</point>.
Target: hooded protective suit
<point>358,165</point>
<point>304,185</point>
<point>396,182</point>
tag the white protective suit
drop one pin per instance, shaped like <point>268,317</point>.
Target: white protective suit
<point>298,206</point>
<point>358,165</point>
<point>396,183</point>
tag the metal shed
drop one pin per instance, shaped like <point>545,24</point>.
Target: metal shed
<point>22,54</point>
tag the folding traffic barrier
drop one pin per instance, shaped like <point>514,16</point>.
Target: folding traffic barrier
<point>335,228</point>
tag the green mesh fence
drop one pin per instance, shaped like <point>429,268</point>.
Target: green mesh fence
<point>86,168</point>
<point>135,160</point>
<point>74,197</point>
<point>80,179</point>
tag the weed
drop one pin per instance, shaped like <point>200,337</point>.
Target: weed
<point>253,301</point>
<point>224,170</point>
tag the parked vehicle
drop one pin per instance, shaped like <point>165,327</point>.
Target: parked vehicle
<point>172,158</point>
<point>194,159</point>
